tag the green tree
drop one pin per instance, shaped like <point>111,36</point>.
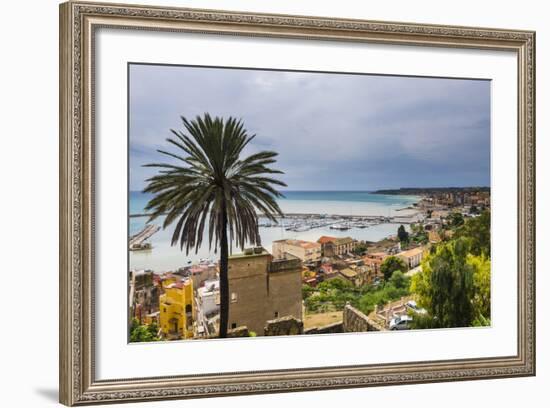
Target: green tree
<point>478,231</point>
<point>392,264</point>
<point>141,333</point>
<point>333,294</point>
<point>360,248</point>
<point>421,238</point>
<point>331,284</point>
<point>445,287</point>
<point>455,219</point>
<point>211,183</point>
<point>419,234</point>
<point>402,234</point>
<point>416,228</point>
<point>399,280</point>
<point>482,288</point>
<point>396,287</point>
<point>307,291</point>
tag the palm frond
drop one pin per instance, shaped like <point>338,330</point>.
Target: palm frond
<point>211,178</point>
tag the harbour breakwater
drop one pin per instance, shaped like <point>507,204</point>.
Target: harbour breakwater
<point>137,241</point>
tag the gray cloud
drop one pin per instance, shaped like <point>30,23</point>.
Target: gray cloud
<point>332,131</point>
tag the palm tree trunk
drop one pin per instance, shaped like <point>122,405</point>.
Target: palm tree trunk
<point>224,278</point>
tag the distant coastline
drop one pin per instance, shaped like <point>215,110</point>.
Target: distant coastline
<point>431,190</point>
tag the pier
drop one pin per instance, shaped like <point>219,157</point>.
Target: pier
<point>137,241</point>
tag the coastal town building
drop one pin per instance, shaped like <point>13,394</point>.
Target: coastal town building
<point>333,275</point>
<point>325,241</point>
<point>459,198</point>
<point>374,261</point>
<point>306,251</point>
<point>326,268</point>
<point>265,290</point>
<point>412,257</point>
<point>351,275</point>
<point>144,294</point>
<point>433,237</point>
<point>433,224</point>
<point>332,246</point>
<point>262,288</point>
<point>152,318</point>
<point>201,273</point>
<point>176,309</point>
<point>207,302</point>
<point>371,276</point>
<point>327,272</point>
<point>208,298</point>
<point>309,277</point>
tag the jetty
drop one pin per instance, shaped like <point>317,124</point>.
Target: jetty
<point>137,241</point>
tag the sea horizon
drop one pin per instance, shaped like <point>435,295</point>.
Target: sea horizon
<point>350,202</point>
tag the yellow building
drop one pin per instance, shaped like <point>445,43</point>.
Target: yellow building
<point>176,309</point>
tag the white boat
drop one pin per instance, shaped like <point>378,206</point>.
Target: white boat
<point>341,227</point>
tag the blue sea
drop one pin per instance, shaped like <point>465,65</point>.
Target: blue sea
<point>163,257</point>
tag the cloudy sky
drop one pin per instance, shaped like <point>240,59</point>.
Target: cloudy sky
<point>332,131</point>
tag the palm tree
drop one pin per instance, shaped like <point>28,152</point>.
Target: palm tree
<point>207,181</point>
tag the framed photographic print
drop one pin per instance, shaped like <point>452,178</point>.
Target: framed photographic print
<point>256,203</point>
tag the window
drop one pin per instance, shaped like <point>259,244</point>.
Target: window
<point>276,315</point>
<point>233,325</point>
<point>233,297</point>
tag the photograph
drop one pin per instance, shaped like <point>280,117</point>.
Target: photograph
<point>268,202</point>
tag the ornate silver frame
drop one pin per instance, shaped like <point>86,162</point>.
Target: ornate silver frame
<point>78,22</point>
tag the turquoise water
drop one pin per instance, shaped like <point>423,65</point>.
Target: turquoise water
<point>164,257</point>
<point>322,202</point>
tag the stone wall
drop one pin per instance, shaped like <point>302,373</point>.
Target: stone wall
<point>248,291</point>
<point>284,294</point>
<point>289,263</point>
<point>241,331</point>
<point>337,327</point>
<point>284,326</point>
<point>357,321</point>
<point>374,325</point>
<point>262,289</point>
<point>143,279</point>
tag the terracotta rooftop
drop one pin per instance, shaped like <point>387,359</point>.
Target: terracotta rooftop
<point>306,244</point>
<point>411,252</point>
<point>372,261</point>
<point>299,242</point>
<point>343,241</point>
<point>324,239</point>
<point>180,283</point>
<point>326,267</point>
